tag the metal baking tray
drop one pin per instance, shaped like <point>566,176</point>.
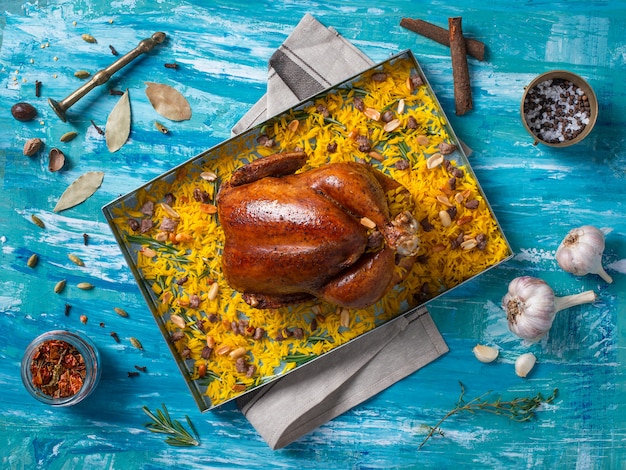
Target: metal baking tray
<point>209,383</point>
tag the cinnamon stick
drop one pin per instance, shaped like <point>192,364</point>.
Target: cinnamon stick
<point>460,71</point>
<point>474,47</point>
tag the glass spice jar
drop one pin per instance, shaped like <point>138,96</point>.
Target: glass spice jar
<point>60,368</point>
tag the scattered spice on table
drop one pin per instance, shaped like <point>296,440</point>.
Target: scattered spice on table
<point>96,127</point>
<point>57,369</point>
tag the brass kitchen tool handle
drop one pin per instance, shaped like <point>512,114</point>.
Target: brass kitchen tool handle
<point>101,77</point>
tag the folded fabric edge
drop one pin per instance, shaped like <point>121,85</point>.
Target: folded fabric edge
<point>333,363</point>
<point>355,62</point>
<point>370,381</point>
<point>382,369</point>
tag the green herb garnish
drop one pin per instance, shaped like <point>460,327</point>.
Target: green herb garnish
<point>517,409</point>
<point>177,435</point>
<point>299,358</point>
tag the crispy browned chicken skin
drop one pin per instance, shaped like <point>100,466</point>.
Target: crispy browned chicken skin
<point>293,237</point>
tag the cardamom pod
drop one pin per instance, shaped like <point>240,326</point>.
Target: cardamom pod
<point>89,38</point>
<point>76,260</point>
<point>120,312</point>
<point>37,221</point>
<point>85,285</point>
<point>32,261</point>
<point>58,288</point>
<point>81,74</point>
<point>68,136</point>
<point>135,342</point>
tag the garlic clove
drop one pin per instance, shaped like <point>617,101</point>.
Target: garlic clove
<point>485,354</point>
<point>524,364</point>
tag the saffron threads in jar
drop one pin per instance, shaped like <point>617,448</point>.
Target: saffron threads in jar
<point>58,369</point>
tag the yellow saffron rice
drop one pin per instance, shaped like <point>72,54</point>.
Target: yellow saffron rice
<point>182,266</point>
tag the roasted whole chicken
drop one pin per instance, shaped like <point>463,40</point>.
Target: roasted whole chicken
<point>323,233</point>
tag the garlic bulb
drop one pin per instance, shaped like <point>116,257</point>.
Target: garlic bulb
<point>524,364</point>
<point>580,252</point>
<point>531,306</point>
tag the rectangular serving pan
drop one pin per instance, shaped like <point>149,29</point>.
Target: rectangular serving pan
<point>226,151</point>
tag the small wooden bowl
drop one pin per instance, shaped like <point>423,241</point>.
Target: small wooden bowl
<point>577,82</point>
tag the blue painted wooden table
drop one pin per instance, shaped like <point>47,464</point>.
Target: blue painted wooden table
<point>222,48</point>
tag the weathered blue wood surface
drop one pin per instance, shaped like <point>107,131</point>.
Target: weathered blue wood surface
<point>222,48</point>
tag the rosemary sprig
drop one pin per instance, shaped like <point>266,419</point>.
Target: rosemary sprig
<point>517,409</point>
<point>323,336</point>
<point>335,122</point>
<point>151,242</point>
<point>404,149</point>
<point>177,435</point>
<point>299,358</point>
<point>158,246</point>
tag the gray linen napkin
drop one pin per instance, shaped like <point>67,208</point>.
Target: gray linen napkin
<point>310,60</point>
<point>287,409</point>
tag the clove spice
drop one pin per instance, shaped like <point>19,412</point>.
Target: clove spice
<point>99,131</point>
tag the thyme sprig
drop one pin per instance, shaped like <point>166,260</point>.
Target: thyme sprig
<point>517,409</point>
<point>177,435</point>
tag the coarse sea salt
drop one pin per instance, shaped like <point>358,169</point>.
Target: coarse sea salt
<point>556,110</point>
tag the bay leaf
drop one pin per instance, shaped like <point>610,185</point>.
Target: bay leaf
<point>80,190</point>
<point>168,102</point>
<point>118,124</point>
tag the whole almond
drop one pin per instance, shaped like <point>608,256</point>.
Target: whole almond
<point>32,146</point>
